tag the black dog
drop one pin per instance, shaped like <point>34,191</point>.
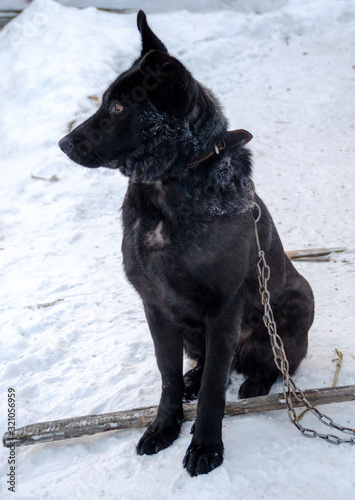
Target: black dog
<point>189,246</point>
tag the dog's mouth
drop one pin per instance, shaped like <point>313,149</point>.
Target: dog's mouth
<point>113,165</point>
<point>81,151</point>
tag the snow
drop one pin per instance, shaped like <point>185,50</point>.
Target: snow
<point>149,6</point>
<point>286,73</point>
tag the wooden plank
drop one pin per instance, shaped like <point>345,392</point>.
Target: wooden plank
<point>141,417</point>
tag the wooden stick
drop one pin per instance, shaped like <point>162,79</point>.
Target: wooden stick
<point>339,361</point>
<point>313,254</point>
<point>141,417</point>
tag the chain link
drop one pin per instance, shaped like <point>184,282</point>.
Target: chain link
<point>290,389</point>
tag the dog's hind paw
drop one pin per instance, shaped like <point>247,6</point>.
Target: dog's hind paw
<point>258,385</point>
<point>201,459</point>
<point>192,382</point>
<point>192,386</point>
<point>157,437</point>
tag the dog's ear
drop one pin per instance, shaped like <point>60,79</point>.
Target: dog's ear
<point>170,86</point>
<point>149,40</point>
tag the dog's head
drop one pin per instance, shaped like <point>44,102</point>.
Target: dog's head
<point>154,118</point>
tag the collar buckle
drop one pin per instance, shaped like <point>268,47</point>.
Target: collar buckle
<point>217,149</point>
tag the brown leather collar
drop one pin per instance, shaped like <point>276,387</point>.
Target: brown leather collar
<point>232,138</point>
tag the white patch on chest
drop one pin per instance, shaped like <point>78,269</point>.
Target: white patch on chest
<point>156,238</point>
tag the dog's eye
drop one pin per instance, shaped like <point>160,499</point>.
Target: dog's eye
<point>118,107</point>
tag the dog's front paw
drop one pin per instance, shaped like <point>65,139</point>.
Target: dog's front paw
<point>201,459</point>
<point>157,437</point>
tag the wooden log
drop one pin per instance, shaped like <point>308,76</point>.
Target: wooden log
<point>141,417</point>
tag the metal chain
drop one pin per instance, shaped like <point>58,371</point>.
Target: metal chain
<point>289,387</point>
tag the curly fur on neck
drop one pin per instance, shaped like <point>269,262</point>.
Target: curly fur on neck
<point>168,142</point>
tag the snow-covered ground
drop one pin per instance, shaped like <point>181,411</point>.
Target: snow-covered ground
<point>286,75</point>
<point>161,5</point>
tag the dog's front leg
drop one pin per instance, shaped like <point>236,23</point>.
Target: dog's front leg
<point>168,345</point>
<point>205,452</point>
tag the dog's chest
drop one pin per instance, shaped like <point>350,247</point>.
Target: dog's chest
<point>153,238</point>
<point>149,251</point>
<point>178,260</point>
<point>150,237</point>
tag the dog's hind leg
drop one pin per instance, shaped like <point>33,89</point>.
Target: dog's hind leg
<point>254,357</point>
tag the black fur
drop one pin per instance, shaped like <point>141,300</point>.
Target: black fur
<point>189,245</point>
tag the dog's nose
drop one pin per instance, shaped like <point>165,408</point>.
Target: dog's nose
<point>66,144</point>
